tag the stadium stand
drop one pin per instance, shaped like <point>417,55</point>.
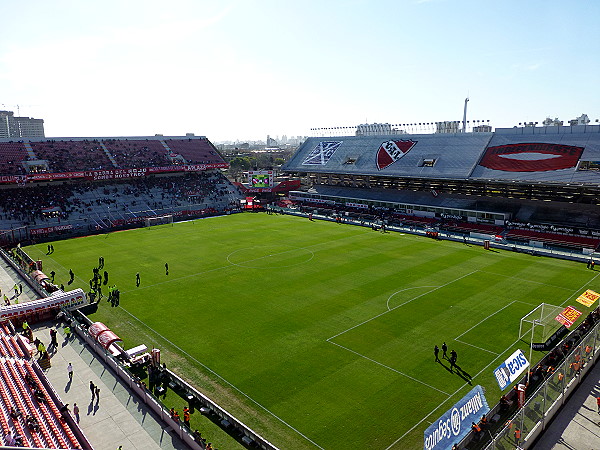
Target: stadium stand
<point>543,179</point>
<point>29,410</point>
<point>194,152</point>
<point>129,154</point>
<point>89,206</point>
<point>76,185</point>
<point>67,156</point>
<point>11,155</point>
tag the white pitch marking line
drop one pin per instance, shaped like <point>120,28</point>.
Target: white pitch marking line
<point>480,348</point>
<point>402,290</point>
<point>224,380</point>
<point>526,280</point>
<point>234,265</point>
<point>402,304</point>
<point>525,303</point>
<point>242,264</point>
<point>483,320</point>
<point>390,368</point>
<point>578,290</point>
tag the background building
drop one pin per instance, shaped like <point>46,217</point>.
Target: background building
<point>20,127</point>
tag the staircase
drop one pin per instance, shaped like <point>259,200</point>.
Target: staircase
<point>108,155</point>
<point>30,153</point>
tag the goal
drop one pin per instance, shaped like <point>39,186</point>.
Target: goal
<point>158,220</point>
<point>540,322</point>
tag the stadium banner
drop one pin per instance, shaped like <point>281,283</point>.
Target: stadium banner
<point>8,179</point>
<point>47,230</point>
<point>108,174</point>
<point>54,176</point>
<point>551,341</point>
<point>455,424</point>
<point>510,369</point>
<point>588,298</point>
<point>568,316</point>
<point>357,205</point>
<point>115,174</point>
<point>553,229</point>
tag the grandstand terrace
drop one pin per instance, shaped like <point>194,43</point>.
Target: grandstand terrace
<point>543,180</point>
<point>63,155</point>
<point>82,185</point>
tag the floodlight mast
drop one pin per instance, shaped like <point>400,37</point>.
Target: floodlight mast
<point>464,130</point>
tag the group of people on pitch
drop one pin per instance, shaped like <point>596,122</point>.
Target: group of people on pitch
<point>453,355</point>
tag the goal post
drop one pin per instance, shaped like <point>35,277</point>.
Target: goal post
<point>540,323</point>
<point>158,220</point>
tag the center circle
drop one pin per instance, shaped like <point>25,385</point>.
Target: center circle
<point>270,256</point>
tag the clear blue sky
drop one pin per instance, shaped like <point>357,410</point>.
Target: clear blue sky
<point>244,69</point>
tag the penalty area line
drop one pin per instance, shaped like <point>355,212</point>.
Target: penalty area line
<point>475,346</point>
<point>226,381</point>
<point>483,320</point>
<point>388,367</point>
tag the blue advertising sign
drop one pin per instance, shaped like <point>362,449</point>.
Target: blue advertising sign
<point>454,425</point>
<point>509,370</point>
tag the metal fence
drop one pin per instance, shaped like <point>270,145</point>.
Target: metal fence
<point>542,405</point>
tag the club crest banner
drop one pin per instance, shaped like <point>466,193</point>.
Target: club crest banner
<point>588,298</point>
<point>391,151</point>
<point>568,316</point>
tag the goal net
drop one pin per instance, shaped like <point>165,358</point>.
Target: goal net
<point>158,220</point>
<point>540,323</point>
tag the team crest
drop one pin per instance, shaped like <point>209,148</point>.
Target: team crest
<point>391,151</point>
<point>322,153</point>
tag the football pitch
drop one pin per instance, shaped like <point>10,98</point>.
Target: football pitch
<point>319,335</point>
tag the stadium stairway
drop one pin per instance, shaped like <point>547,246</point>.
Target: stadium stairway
<point>108,155</point>
<point>30,152</point>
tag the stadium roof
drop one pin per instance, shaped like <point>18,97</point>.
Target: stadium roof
<point>541,154</point>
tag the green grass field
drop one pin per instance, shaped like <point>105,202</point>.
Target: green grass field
<point>316,334</point>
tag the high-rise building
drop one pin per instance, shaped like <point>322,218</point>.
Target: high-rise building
<point>20,127</point>
<point>271,142</point>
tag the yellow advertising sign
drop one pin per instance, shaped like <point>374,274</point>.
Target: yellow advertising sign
<point>588,298</point>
